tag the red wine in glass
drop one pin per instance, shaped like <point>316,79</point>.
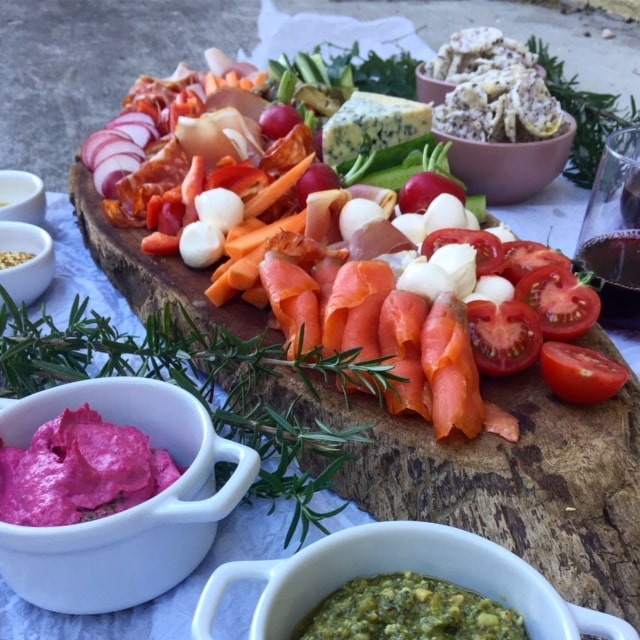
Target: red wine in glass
<point>630,201</point>
<point>615,259</point>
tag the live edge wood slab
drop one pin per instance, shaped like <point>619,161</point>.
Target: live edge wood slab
<point>566,498</point>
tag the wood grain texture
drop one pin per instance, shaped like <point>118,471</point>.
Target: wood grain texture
<point>566,498</point>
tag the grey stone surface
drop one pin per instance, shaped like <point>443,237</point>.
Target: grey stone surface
<point>65,65</point>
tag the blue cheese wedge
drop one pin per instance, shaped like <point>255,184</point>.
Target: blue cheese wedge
<point>381,120</point>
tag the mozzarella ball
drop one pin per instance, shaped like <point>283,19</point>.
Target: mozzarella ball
<point>495,288</point>
<point>459,261</point>
<point>472,220</point>
<point>503,232</point>
<point>445,212</point>
<point>425,279</point>
<point>357,213</point>
<point>412,225</point>
<point>201,244</point>
<point>220,207</point>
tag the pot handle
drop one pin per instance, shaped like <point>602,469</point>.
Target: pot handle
<point>222,502</point>
<point>602,625</point>
<point>7,402</point>
<point>221,580</point>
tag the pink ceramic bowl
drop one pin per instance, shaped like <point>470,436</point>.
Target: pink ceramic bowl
<point>509,172</point>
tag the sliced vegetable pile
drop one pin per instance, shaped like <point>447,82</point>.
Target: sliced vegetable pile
<point>382,252</point>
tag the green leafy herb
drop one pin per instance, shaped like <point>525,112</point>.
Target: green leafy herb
<point>597,115</point>
<point>37,354</point>
<point>392,76</point>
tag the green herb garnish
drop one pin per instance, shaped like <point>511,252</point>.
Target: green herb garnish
<point>597,115</point>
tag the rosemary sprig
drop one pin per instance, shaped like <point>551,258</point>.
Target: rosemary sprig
<point>597,115</point>
<point>36,354</point>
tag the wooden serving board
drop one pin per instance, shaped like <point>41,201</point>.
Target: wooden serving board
<point>566,498</point>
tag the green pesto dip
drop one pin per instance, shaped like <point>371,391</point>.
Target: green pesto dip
<point>409,606</point>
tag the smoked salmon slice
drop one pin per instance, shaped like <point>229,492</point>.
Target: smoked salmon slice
<point>293,295</point>
<point>448,363</point>
<point>402,316</point>
<point>353,310</point>
<point>324,273</point>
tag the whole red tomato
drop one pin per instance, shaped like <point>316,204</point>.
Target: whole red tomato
<point>420,190</point>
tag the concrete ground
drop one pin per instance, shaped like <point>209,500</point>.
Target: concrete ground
<point>66,64</point>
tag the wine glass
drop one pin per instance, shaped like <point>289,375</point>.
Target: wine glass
<point>609,241</point>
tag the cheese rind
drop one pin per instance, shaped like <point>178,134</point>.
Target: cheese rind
<point>382,121</point>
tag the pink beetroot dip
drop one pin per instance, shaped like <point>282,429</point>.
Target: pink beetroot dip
<point>80,468</point>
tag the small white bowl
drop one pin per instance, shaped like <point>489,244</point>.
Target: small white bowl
<point>22,197</point>
<point>295,586</point>
<point>133,556</point>
<point>27,281</point>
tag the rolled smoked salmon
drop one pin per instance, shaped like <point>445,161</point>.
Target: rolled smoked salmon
<point>353,309</point>
<point>402,316</point>
<point>293,295</point>
<point>447,361</point>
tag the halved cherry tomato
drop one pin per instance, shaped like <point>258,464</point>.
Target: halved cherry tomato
<point>506,337</point>
<point>489,250</point>
<point>580,375</point>
<point>523,256</point>
<point>567,307</point>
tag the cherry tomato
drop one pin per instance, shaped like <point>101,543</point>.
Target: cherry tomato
<point>318,177</point>
<point>523,256</point>
<point>567,308</point>
<point>420,190</point>
<point>580,375</point>
<point>278,119</point>
<point>171,218</point>
<point>506,337</point>
<point>489,251</point>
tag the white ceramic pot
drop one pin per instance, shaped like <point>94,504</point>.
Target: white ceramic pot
<point>26,282</point>
<point>22,197</point>
<point>296,585</point>
<point>133,556</point>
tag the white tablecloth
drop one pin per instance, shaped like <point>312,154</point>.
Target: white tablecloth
<point>554,217</point>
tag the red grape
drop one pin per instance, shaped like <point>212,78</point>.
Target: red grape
<point>318,177</point>
<point>277,120</point>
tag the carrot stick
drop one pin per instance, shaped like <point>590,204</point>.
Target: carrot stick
<point>210,83</point>
<point>244,227</point>
<point>220,291</point>
<point>243,273</point>
<point>220,269</point>
<point>242,245</point>
<point>231,79</point>
<point>256,296</point>
<point>271,194</point>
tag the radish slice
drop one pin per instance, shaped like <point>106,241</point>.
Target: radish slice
<point>111,170</point>
<point>97,139</point>
<point>132,116</point>
<point>141,134</point>
<point>115,146</point>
